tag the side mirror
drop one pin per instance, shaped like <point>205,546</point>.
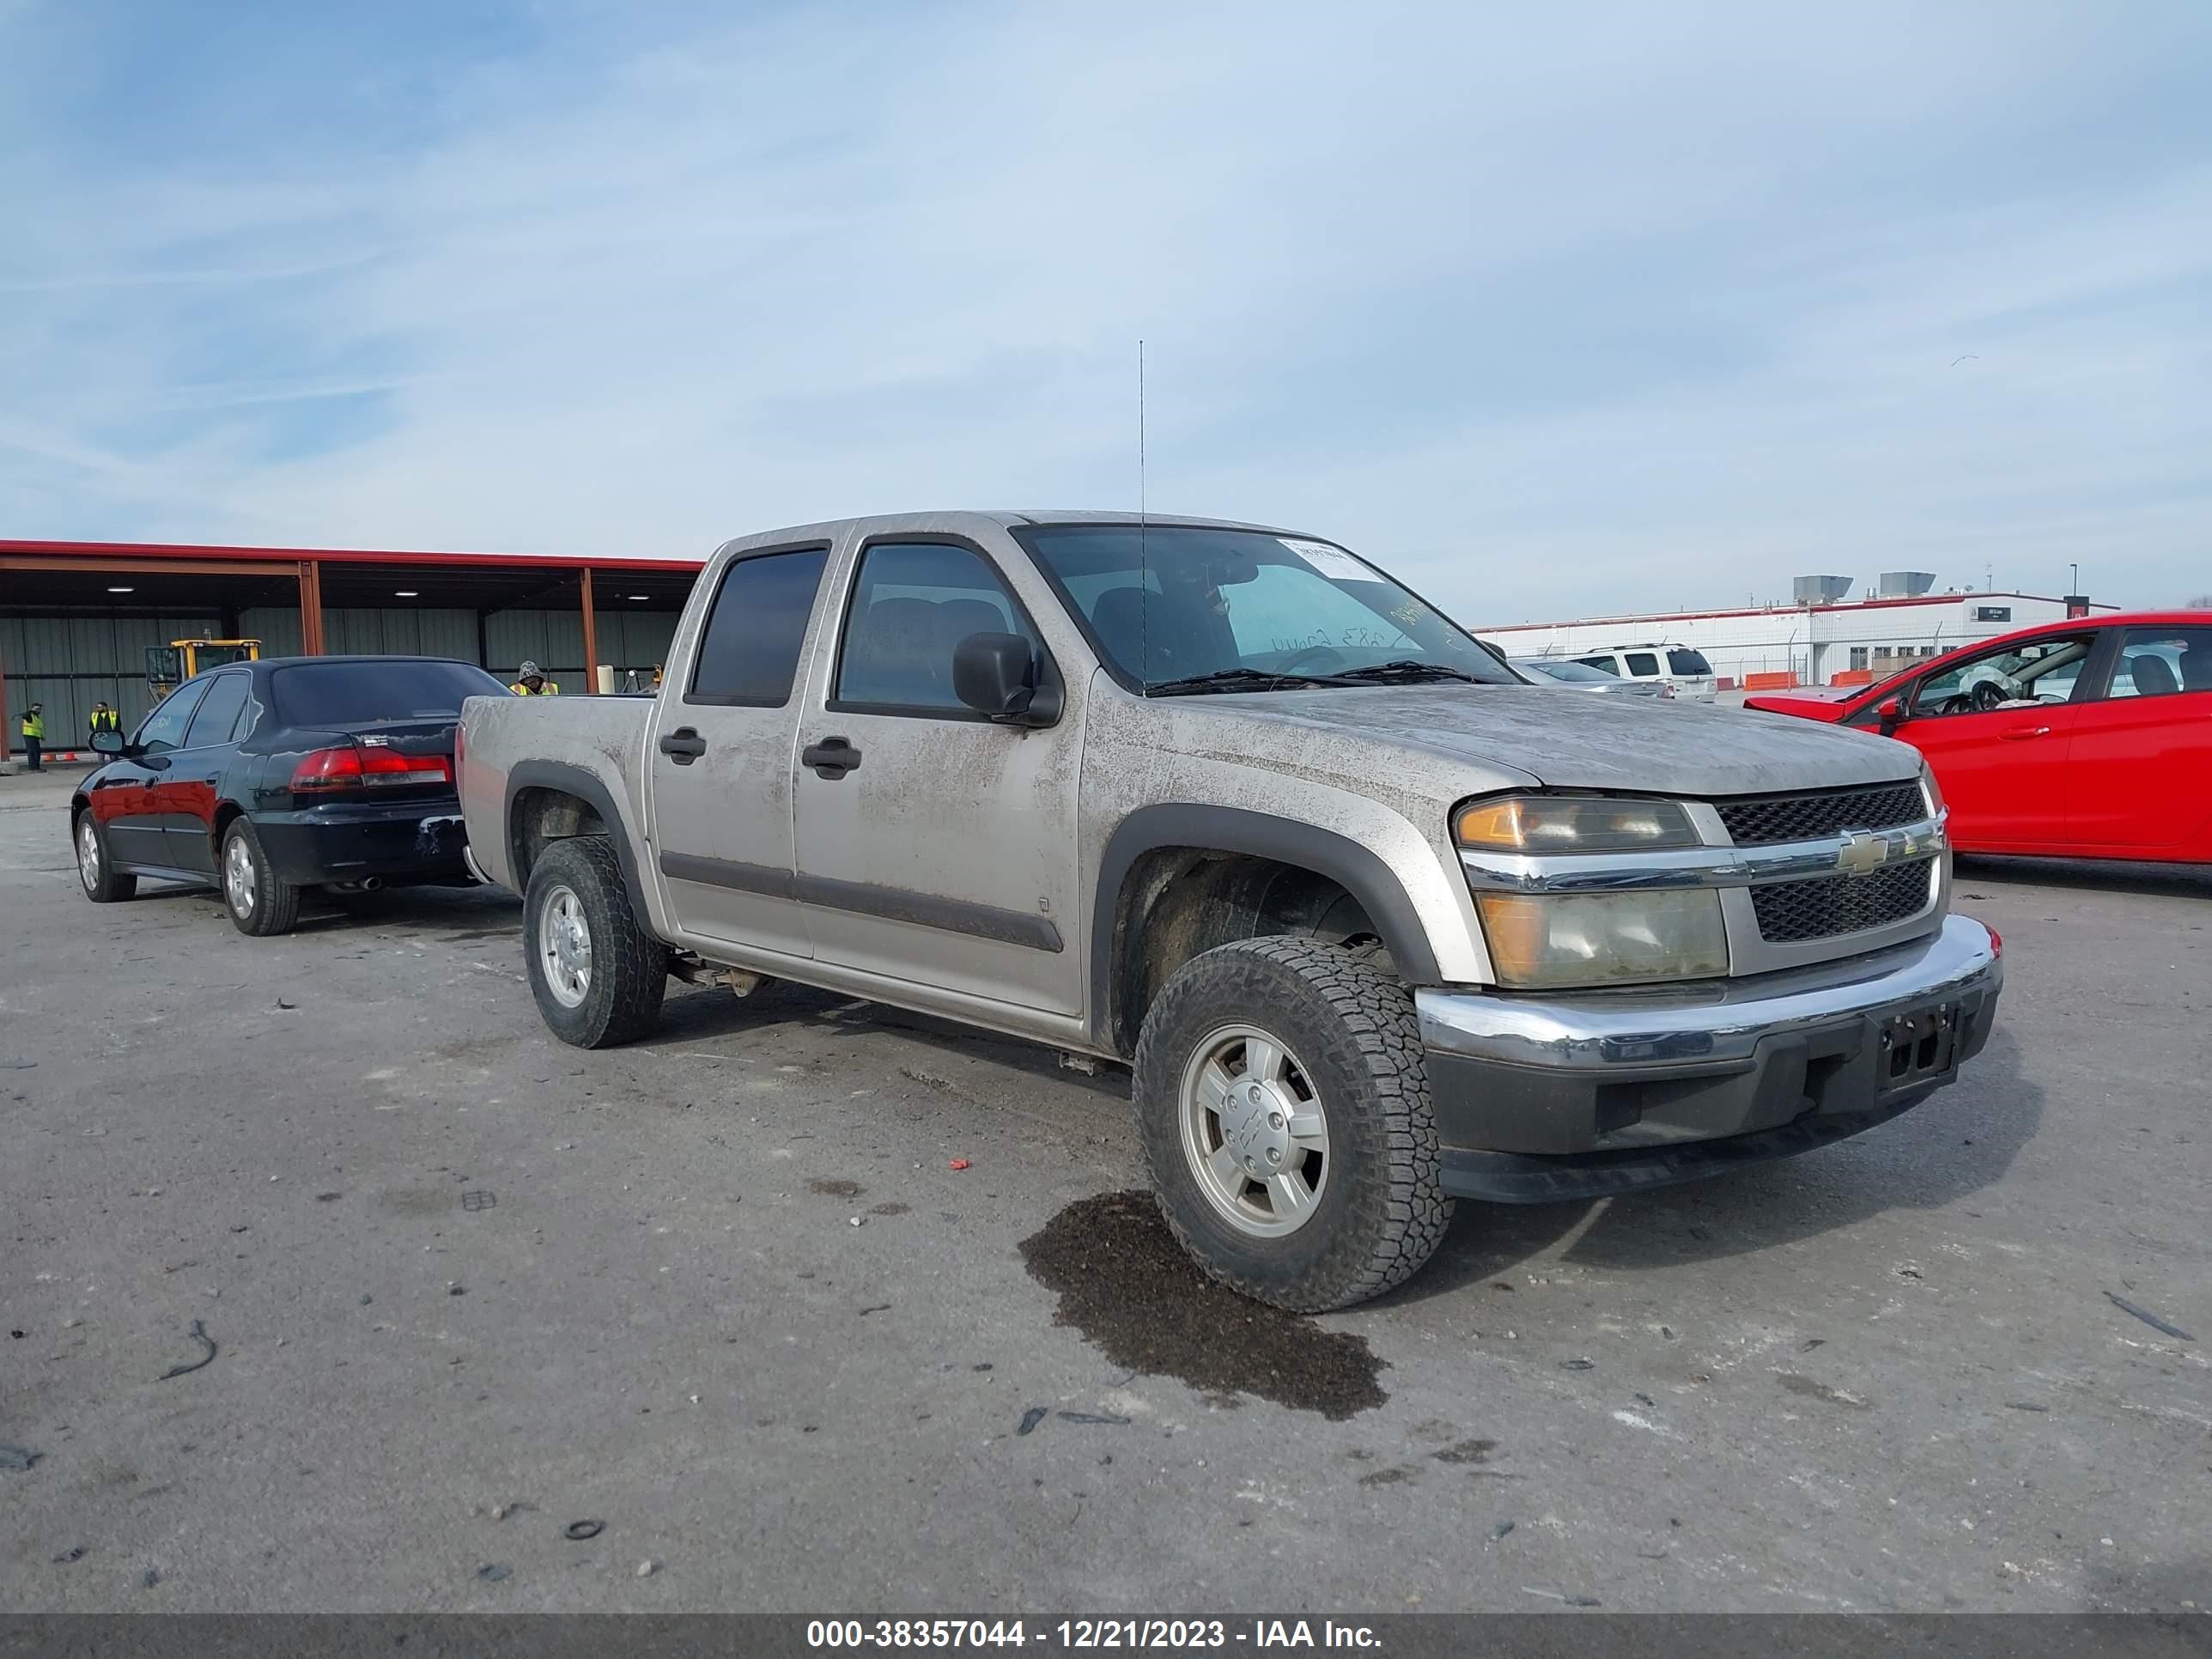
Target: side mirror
<point>1891,712</point>
<point>996,674</point>
<point>107,742</point>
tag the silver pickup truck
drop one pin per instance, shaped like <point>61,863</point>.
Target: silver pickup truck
<point>1377,923</point>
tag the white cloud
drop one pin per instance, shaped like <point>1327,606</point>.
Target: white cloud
<point>1558,310</point>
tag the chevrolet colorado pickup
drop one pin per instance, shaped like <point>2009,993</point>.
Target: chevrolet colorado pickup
<point>1376,923</point>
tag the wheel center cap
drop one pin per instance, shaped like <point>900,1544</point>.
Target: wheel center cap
<point>1255,1128</point>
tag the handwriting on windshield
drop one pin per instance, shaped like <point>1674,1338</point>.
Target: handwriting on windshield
<point>1356,637</point>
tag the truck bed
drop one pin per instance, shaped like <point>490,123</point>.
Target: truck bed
<point>509,743</point>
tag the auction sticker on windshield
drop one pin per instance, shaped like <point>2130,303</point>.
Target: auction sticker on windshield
<point>1332,562</point>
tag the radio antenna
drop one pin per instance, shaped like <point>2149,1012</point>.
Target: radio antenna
<point>1144,564</point>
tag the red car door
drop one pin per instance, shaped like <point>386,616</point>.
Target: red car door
<point>2141,761</point>
<point>1998,730</point>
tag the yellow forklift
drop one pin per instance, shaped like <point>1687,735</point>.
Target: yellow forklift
<point>168,667</point>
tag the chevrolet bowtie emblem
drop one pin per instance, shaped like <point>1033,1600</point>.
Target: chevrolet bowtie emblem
<point>1862,853</point>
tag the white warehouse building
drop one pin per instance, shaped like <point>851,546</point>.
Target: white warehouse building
<point>1813,641</point>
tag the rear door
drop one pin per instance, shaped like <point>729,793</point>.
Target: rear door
<point>932,844</point>
<point>124,799</point>
<point>721,761</point>
<point>1997,728</point>
<point>2142,754</point>
<point>186,795</point>
<point>1691,674</point>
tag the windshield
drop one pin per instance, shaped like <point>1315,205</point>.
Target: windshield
<point>362,693</point>
<point>1574,674</point>
<point>1680,661</point>
<point>1175,602</point>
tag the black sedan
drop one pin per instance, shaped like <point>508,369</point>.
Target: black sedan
<point>270,778</point>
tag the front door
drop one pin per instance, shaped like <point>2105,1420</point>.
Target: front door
<point>935,845</point>
<point>2142,758</point>
<point>720,767</point>
<point>1996,729</point>
<point>187,796</point>
<point>126,798</point>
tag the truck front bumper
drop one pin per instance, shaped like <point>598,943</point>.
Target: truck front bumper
<point>1544,1097</point>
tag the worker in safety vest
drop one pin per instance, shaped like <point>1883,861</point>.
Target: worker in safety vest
<point>102,719</point>
<point>532,683</point>
<point>34,735</point>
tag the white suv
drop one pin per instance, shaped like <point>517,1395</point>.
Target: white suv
<point>1685,671</point>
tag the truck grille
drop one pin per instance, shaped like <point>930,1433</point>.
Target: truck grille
<point>1770,818</point>
<point>1790,912</point>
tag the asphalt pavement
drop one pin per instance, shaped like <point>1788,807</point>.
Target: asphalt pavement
<point>724,1296</point>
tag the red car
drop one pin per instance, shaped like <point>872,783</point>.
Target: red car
<point>2089,738</point>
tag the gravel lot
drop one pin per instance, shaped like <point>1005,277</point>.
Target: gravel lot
<point>723,1294</point>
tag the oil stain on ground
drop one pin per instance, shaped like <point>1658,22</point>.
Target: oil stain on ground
<point>1126,1285</point>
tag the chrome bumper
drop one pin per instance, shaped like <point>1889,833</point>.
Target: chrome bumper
<point>1623,1085</point>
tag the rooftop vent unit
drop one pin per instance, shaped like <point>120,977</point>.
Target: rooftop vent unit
<point>1906,584</point>
<point>1818,590</point>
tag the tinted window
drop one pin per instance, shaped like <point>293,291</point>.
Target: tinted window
<point>749,650</point>
<point>164,729</point>
<point>2156,662</point>
<point>913,602</point>
<point>1603,664</point>
<point>1642,662</point>
<point>1688,662</point>
<point>218,710</point>
<point>345,693</point>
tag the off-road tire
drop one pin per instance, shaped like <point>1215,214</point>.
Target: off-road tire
<point>105,886</point>
<point>629,966</point>
<point>275,906</point>
<point>1382,1211</point>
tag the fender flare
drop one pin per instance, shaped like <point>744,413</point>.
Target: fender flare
<point>575,780</point>
<point>1358,869</point>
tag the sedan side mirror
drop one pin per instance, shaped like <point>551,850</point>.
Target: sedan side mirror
<point>108,743</point>
<point>997,675</point>
<point>1891,712</point>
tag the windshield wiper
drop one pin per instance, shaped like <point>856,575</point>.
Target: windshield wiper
<point>1236,680</point>
<point>1407,671</point>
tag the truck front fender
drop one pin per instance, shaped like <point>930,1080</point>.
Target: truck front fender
<point>1358,870</point>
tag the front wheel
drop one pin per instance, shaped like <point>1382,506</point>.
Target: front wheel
<point>1283,1106</point>
<point>597,975</point>
<point>96,869</point>
<point>260,904</point>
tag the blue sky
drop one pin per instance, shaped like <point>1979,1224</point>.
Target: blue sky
<point>1554,310</point>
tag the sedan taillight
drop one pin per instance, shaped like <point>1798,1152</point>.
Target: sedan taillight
<point>353,768</point>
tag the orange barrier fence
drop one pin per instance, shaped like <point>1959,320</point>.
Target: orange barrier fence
<point>1852,677</point>
<point>1769,682</point>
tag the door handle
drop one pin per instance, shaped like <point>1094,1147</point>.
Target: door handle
<point>684,744</point>
<point>2023,733</point>
<point>830,758</point>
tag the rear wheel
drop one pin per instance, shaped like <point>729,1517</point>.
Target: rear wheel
<point>1283,1105</point>
<point>597,975</point>
<point>96,869</point>
<point>260,904</point>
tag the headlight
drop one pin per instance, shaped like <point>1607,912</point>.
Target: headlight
<point>1603,938</point>
<point>1572,824</point>
<point>1932,789</point>
<point>1581,939</point>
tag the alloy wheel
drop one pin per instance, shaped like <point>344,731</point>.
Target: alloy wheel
<point>1254,1131</point>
